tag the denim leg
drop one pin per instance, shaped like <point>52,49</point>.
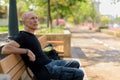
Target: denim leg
<point>61,69</point>
<point>73,64</point>
<point>67,63</point>
<point>71,74</point>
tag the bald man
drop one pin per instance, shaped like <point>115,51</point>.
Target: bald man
<point>27,45</point>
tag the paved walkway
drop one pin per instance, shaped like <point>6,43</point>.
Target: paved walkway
<point>99,54</point>
<point>76,51</point>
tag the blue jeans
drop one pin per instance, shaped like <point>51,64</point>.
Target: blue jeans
<point>65,70</point>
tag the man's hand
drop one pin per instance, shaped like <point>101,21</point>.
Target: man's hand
<point>31,55</point>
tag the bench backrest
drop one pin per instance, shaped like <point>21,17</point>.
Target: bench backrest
<point>43,41</point>
<point>12,65</point>
<point>58,45</point>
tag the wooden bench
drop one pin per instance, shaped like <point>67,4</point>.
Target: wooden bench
<point>12,65</point>
<point>58,45</point>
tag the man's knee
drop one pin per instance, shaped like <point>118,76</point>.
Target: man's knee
<point>75,64</point>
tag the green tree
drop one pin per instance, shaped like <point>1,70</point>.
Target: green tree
<point>117,20</point>
<point>76,10</point>
<point>105,20</point>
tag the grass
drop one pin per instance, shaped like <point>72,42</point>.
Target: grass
<point>5,28</point>
<point>53,30</point>
<point>42,29</point>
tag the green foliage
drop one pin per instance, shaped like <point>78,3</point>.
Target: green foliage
<point>73,10</point>
<point>70,19</point>
<point>3,29</point>
<point>53,30</point>
<point>105,19</point>
<point>21,27</point>
<point>103,27</point>
<point>117,20</point>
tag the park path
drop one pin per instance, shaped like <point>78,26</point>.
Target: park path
<point>99,53</point>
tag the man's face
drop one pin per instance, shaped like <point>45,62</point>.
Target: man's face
<point>31,21</point>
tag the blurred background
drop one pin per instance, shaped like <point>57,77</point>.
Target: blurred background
<point>88,13</point>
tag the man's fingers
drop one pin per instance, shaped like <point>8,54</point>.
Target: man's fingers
<point>31,56</point>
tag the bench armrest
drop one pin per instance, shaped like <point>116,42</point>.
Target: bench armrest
<point>56,42</point>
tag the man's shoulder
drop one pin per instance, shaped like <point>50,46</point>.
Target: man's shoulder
<point>26,33</point>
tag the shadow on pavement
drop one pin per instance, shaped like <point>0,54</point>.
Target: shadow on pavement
<point>95,56</point>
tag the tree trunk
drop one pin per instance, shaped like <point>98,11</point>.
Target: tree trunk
<point>56,4</point>
<point>49,16</point>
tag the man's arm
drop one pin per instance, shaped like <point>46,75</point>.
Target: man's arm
<point>13,48</point>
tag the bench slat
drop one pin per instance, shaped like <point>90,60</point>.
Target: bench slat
<point>19,73</point>
<point>9,62</point>
<point>12,65</point>
<point>17,68</point>
<point>56,42</point>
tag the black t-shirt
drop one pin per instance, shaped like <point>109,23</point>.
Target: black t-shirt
<point>30,41</point>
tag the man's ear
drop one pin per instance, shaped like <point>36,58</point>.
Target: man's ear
<point>1,48</point>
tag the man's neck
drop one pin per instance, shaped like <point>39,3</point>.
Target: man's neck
<point>29,30</point>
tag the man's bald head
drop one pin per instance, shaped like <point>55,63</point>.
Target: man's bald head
<point>26,14</point>
<point>30,21</point>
